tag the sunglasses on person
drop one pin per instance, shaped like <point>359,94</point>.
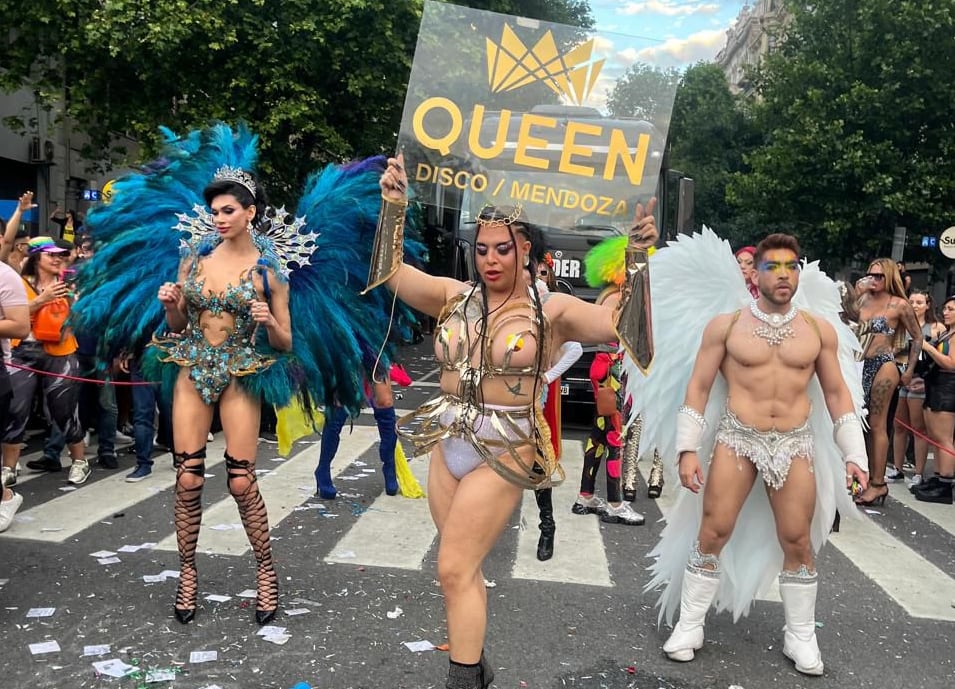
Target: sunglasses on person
<point>876,276</point>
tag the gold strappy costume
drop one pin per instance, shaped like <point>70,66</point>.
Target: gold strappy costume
<point>470,431</point>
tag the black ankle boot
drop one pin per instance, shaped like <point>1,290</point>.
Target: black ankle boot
<point>487,672</point>
<point>545,546</point>
<point>476,676</point>
<point>940,492</point>
<point>465,676</point>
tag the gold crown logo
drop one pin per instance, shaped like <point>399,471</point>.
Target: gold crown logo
<point>512,65</point>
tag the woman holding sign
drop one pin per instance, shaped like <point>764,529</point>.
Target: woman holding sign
<point>488,441</point>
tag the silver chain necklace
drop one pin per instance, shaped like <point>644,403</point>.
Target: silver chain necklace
<point>776,327</point>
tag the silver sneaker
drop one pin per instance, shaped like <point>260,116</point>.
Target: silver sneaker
<point>79,472</point>
<point>622,514</point>
<point>8,509</point>
<point>591,505</point>
<point>9,475</point>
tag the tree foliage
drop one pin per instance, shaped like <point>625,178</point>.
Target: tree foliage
<point>710,132</point>
<point>859,133</point>
<point>643,91</point>
<point>319,80</point>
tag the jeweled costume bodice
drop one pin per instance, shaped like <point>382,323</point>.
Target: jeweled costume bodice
<point>212,366</point>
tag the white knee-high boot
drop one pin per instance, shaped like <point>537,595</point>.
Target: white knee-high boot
<point>699,590</point>
<point>798,591</point>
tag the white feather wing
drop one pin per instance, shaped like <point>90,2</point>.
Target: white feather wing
<point>693,279</point>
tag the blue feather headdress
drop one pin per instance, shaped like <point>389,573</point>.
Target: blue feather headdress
<point>323,251</point>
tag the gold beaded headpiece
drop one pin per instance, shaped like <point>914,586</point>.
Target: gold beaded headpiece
<point>234,174</point>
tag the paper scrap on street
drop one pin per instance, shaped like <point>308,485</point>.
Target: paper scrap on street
<point>169,574</point>
<point>41,612</point>
<point>44,647</point>
<point>108,560</point>
<point>114,667</point>
<point>271,630</point>
<point>160,676</point>
<point>130,548</point>
<point>296,611</point>
<point>203,656</point>
<point>393,614</point>
<point>419,646</point>
<point>277,639</point>
<point>102,553</point>
<point>218,598</point>
<point>248,593</point>
<point>96,650</point>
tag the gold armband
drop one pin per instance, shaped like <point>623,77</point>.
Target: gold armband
<point>632,319</point>
<point>389,242</point>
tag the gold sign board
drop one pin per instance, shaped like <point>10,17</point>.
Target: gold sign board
<point>503,110</point>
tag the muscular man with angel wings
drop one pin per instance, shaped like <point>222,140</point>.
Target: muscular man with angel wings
<point>774,370</point>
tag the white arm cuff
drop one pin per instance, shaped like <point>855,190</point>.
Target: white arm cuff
<point>847,432</point>
<point>689,430</point>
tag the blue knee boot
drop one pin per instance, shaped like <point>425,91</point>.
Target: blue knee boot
<point>331,436</point>
<point>388,433</point>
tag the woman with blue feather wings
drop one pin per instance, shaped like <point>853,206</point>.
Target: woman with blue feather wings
<point>254,304</point>
<point>766,363</point>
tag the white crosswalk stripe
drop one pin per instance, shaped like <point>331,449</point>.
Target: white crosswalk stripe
<point>398,533</point>
<point>404,525</point>
<point>579,554</point>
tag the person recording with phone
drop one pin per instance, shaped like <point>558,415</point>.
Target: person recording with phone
<point>940,411</point>
<point>49,348</point>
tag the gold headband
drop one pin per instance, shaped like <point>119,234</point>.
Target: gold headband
<point>506,220</point>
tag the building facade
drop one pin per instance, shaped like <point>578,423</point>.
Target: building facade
<point>46,159</point>
<point>756,33</point>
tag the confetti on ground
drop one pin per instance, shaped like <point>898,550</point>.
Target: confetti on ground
<point>393,614</point>
<point>109,560</point>
<point>102,553</point>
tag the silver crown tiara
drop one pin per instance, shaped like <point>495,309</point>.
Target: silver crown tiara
<point>234,174</point>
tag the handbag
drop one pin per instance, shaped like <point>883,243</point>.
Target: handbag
<point>606,398</point>
<point>48,321</point>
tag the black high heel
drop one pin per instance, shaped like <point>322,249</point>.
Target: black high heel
<point>186,593</point>
<point>268,584</point>
<point>878,499</point>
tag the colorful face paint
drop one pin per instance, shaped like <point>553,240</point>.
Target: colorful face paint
<point>779,266</point>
